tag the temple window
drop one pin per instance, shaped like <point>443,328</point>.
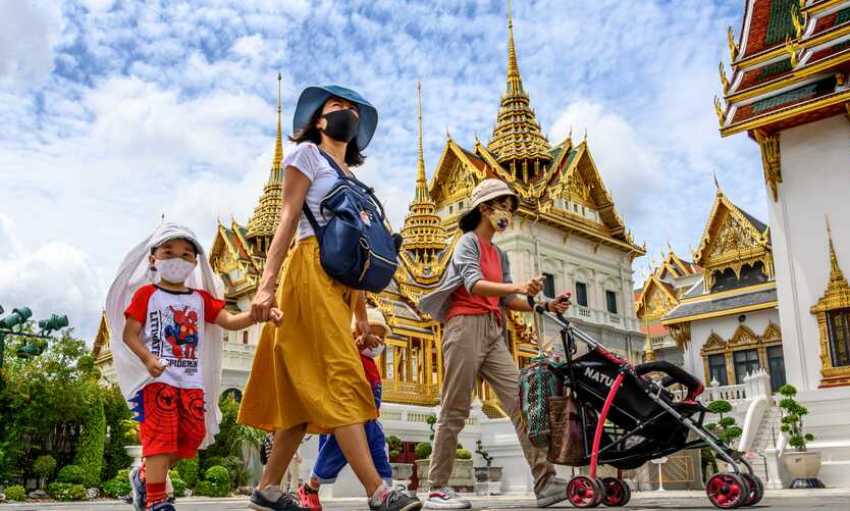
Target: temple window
<point>746,362</point>
<point>717,369</point>
<point>611,301</point>
<point>244,337</point>
<point>838,322</point>
<point>776,367</point>
<point>581,294</point>
<point>548,285</point>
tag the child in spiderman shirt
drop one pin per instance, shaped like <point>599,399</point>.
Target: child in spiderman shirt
<point>172,328</point>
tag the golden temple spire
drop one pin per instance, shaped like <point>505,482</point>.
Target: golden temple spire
<point>263,222</point>
<point>421,182</point>
<point>835,273</point>
<point>517,139</point>
<point>423,233</point>
<point>278,144</point>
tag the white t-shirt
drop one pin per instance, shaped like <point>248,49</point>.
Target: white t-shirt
<point>310,162</point>
<point>174,330</point>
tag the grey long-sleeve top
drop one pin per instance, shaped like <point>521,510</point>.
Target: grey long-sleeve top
<point>464,270</point>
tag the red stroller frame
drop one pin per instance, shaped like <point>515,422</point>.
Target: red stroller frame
<point>725,490</point>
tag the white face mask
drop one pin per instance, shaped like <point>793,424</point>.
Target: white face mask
<point>174,270</point>
<point>373,352</point>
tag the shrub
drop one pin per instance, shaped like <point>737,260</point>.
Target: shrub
<point>115,456</point>
<point>726,428</point>
<point>66,491</point>
<point>44,466</point>
<point>792,418</point>
<point>16,492</point>
<point>239,475</point>
<point>71,474</point>
<point>218,474</point>
<point>423,450</point>
<point>117,487</point>
<point>211,489</point>
<point>485,455</point>
<point>394,446</point>
<point>179,486</point>
<point>89,455</point>
<point>463,454</point>
<point>188,471</point>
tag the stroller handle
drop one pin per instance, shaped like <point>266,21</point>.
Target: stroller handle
<point>565,324</point>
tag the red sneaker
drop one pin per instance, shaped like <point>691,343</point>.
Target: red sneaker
<point>309,498</point>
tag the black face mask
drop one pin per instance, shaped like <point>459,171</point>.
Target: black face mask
<point>342,125</point>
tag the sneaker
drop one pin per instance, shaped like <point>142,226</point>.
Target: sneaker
<point>140,494</point>
<point>309,498</point>
<point>553,492</point>
<point>446,498</point>
<point>272,499</point>
<point>395,500</point>
<point>162,506</point>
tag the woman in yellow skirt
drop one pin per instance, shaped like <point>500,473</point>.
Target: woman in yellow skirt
<point>307,376</point>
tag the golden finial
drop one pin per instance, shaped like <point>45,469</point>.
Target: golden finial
<point>278,144</point>
<point>724,80</point>
<point>717,184</point>
<point>792,47</point>
<point>835,272</point>
<point>448,134</point>
<point>718,110</point>
<point>585,136</point>
<point>570,135</point>
<point>669,246</point>
<point>798,19</point>
<point>733,46</point>
<point>514,79</point>
<point>421,182</point>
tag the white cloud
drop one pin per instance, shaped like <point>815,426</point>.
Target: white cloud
<point>28,33</point>
<point>628,164</point>
<point>249,46</point>
<point>51,278</point>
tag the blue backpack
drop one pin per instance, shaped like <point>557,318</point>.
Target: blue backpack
<point>355,247</point>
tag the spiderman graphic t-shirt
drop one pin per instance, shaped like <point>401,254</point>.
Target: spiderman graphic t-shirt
<point>173,330</point>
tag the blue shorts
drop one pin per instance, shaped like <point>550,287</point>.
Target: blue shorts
<point>331,460</point>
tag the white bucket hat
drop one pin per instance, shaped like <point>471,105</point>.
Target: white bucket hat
<point>486,191</point>
<point>375,318</point>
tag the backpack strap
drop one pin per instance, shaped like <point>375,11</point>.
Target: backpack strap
<point>351,177</point>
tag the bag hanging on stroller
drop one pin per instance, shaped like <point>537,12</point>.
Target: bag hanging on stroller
<point>566,446</point>
<point>537,385</point>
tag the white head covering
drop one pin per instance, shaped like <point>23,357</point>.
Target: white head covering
<point>135,272</point>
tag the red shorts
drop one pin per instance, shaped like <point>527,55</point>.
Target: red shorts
<point>173,421</point>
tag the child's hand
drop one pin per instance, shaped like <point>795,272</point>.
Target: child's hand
<point>276,316</point>
<point>155,366</point>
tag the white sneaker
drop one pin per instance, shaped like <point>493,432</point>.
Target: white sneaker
<point>553,492</point>
<point>446,498</point>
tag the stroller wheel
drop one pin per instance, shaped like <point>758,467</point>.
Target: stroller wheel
<point>617,492</point>
<point>585,492</point>
<point>756,488</point>
<point>727,491</point>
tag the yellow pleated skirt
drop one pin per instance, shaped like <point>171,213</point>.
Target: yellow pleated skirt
<point>308,370</point>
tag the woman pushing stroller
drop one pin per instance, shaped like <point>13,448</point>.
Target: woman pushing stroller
<point>469,301</point>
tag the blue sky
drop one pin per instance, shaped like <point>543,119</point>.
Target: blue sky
<point>114,112</point>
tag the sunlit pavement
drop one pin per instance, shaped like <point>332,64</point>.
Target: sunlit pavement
<point>782,500</point>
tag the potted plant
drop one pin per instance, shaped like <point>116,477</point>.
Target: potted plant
<point>131,434</point>
<point>801,464</point>
<point>490,473</point>
<point>401,471</point>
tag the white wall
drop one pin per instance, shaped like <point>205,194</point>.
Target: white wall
<point>816,182</point>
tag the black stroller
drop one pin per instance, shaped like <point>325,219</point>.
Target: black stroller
<point>627,419</point>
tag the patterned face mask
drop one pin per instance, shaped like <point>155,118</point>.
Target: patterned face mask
<point>174,270</point>
<point>500,218</point>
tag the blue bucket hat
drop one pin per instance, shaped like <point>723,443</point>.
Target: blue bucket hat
<point>312,99</point>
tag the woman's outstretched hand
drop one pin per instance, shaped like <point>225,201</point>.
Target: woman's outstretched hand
<point>262,304</point>
<point>560,304</point>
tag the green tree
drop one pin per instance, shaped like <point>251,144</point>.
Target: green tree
<point>232,438</point>
<point>115,411</point>
<point>792,418</point>
<point>90,447</point>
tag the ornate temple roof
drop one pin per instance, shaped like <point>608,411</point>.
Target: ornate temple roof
<point>267,213</point>
<point>735,303</point>
<point>789,65</point>
<point>517,135</point>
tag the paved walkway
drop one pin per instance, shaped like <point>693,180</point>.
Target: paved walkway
<point>775,500</point>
